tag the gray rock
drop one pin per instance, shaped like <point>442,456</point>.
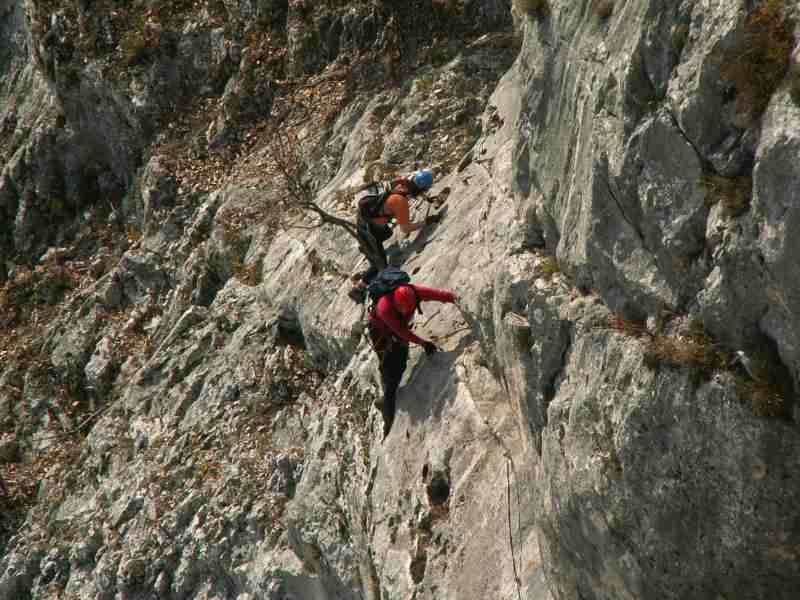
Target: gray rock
<point>124,510</point>
<point>544,453</point>
<point>602,449</point>
<point>101,368</point>
<point>775,177</point>
<point>159,188</point>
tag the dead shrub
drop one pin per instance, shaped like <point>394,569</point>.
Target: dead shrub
<point>759,62</point>
<point>679,351</point>
<point>733,193</point>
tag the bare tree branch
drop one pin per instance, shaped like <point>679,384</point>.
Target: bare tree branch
<point>286,152</point>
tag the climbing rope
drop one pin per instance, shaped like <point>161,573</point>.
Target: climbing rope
<point>509,467</point>
<point>510,536</point>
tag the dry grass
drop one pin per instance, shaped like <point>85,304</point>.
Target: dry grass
<point>602,8</point>
<point>249,274</point>
<point>628,327</point>
<point>533,8</point>
<point>733,193</point>
<point>695,350</point>
<point>679,351</point>
<point>763,397</point>
<point>22,481</point>
<point>692,347</point>
<point>45,285</point>
<point>759,62</point>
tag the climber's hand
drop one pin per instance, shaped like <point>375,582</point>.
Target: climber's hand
<point>430,348</point>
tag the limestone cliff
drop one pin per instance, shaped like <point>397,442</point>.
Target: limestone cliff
<point>185,388</point>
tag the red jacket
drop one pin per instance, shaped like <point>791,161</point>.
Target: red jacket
<point>391,321</point>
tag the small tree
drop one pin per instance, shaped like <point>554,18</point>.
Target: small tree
<point>290,158</point>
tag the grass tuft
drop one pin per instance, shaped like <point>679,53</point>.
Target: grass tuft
<point>733,193</point>
<point>759,62</point>
<point>628,327</point>
<point>674,351</point>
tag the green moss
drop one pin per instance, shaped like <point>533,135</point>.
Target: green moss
<point>549,266</point>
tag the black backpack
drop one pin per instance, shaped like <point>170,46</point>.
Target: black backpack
<point>370,199</point>
<point>388,281</point>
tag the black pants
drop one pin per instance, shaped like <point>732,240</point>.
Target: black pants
<point>393,357</point>
<point>379,234</point>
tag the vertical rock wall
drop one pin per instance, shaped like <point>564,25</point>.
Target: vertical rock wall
<point>588,430</point>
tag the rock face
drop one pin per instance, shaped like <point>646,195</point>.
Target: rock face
<point>186,393</point>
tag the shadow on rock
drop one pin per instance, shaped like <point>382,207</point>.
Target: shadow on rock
<point>430,383</point>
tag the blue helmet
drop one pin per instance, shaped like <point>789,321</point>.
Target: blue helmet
<point>423,179</point>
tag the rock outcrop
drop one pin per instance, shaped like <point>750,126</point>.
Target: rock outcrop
<point>186,393</point>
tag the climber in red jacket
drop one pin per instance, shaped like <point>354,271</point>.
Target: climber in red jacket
<point>390,333</point>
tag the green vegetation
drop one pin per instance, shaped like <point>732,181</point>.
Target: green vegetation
<point>694,349</point>
<point>758,63</point>
<point>548,266</point>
